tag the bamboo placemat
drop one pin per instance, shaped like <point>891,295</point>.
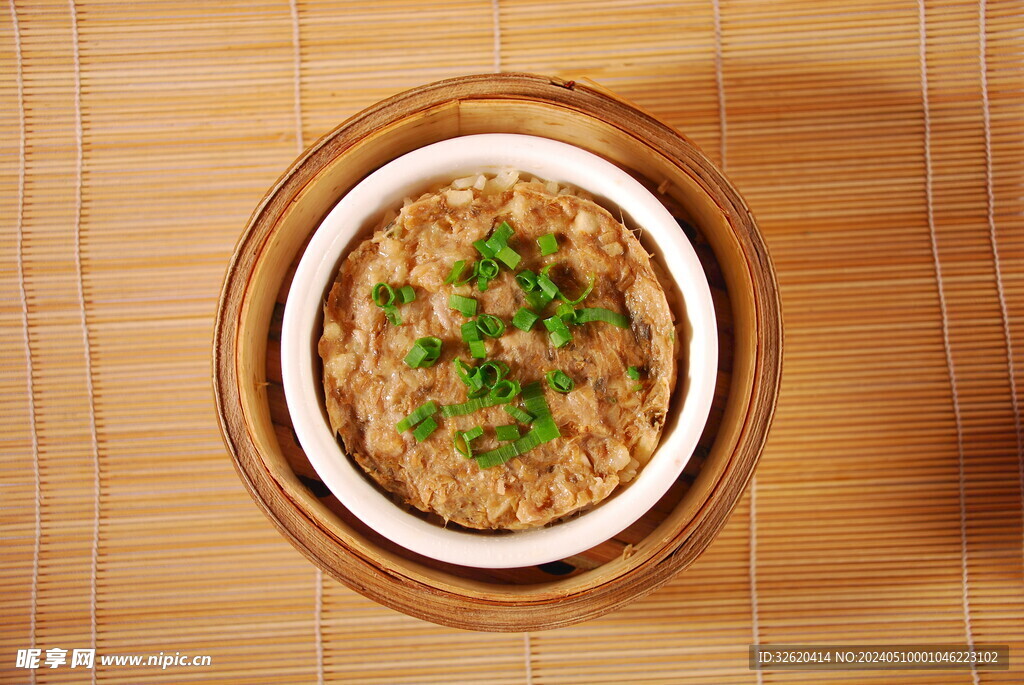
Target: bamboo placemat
<point>880,145</point>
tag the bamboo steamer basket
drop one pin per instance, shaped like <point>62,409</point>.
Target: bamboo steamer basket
<point>247,376</point>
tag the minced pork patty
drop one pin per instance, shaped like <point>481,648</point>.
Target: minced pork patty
<point>609,428</point>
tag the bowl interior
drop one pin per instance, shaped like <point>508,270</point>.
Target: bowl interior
<point>410,174</point>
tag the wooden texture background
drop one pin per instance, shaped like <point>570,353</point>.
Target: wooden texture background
<point>880,144</point>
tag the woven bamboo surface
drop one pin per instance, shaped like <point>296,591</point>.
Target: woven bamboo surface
<point>880,145</point>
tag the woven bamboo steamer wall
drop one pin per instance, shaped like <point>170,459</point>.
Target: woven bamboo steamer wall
<point>254,418</point>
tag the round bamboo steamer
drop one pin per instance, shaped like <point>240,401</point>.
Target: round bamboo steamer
<point>254,418</point>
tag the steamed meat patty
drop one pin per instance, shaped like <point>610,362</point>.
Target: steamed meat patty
<point>609,428</point>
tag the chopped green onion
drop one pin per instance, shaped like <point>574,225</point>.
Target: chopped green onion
<point>474,268</point>
<point>469,331</point>
<point>483,249</point>
<point>601,314</point>
<point>471,336</point>
<point>467,437</point>
<point>466,373</point>
<point>473,405</point>
<point>524,319</point>
<point>490,325</point>
<point>500,455</point>
<point>548,244</point>
<point>457,269</point>
<point>491,372</point>
<point>557,331</point>
<point>418,414</point>
<point>547,268</point>
<point>533,398</point>
<point>424,352</point>
<point>383,295</point>
<point>547,286</point>
<point>633,372</point>
<point>538,300</point>
<point>487,272</point>
<point>407,293</point>
<point>465,305</point>
<point>508,257</point>
<point>500,237</point>
<point>543,431</point>
<point>583,295</point>
<point>518,414</point>
<point>527,280</point>
<point>637,387</point>
<point>504,391</point>
<point>560,381</point>
<point>507,432</point>
<point>566,313</point>
<point>456,277</point>
<point>546,429</point>
<point>424,430</point>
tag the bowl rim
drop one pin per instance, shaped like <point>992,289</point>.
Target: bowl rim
<point>382,190</point>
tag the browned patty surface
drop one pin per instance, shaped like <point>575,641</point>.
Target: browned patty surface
<point>609,429</point>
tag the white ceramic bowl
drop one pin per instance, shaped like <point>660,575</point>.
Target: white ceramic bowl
<point>408,176</point>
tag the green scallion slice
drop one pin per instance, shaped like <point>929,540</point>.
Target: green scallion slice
<point>487,272</point>
<point>566,313</point>
<point>508,257</point>
<point>601,314</point>
<point>544,430</point>
<point>457,269</point>
<point>510,432</point>
<point>471,336</point>
<point>527,280</point>
<point>425,352</point>
<point>524,319</point>
<point>500,237</point>
<point>633,372</point>
<point>491,372</point>
<point>548,244</point>
<point>533,399</point>
<point>383,295</point>
<point>424,430</point>
<point>467,374</point>
<point>470,332</point>
<point>418,414</point>
<point>518,414</point>
<point>490,325</point>
<point>407,293</point>
<point>473,405</point>
<point>482,247</point>
<point>583,295</point>
<point>503,392</point>
<point>466,437</point>
<point>547,286</point>
<point>465,305</point>
<point>538,300</point>
<point>500,455</point>
<point>560,381</point>
<point>558,332</point>
<point>474,268</point>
